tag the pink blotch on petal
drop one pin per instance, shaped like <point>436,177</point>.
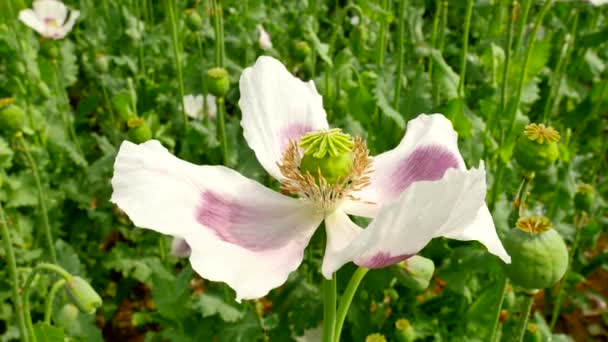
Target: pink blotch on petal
<point>293,132</point>
<point>426,163</point>
<point>381,259</point>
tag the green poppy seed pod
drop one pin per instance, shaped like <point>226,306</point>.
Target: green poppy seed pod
<point>102,63</point>
<point>83,295</point>
<point>539,256</point>
<point>415,273</point>
<point>327,155</point>
<point>536,149</point>
<point>584,197</point>
<point>218,82</point>
<point>139,131</point>
<point>12,117</point>
<point>66,316</point>
<point>302,50</point>
<point>49,49</point>
<point>377,337</point>
<point>193,20</point>
<point>404,331</point>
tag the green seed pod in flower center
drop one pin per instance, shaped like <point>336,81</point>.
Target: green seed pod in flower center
<point>328,153</point>
<point>536,149</point>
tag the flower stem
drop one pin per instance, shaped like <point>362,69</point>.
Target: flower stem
<point>41,197</point>
<point>346,300</point>
<point>495,323</point>
<point>221,128</point>
<point>48,305</point>
<point>12,270</point>
<point>434,34</point>
<point>440,44</point>
<point>219,34</point>
<point>507,66</point>
<point>401,57</point>
<point>522,324</point>
<point>177,58</point>
<point>522,25</point>
<point>329,308</point>
<point>465,47</point>
<point>381,37</point>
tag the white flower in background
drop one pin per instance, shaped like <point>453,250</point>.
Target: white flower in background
<point>598,2</point>
<point>354,20</point>
<point>252,237</point>
<point>264,39</point>
<point>50,18</point>
<point>194,106</point>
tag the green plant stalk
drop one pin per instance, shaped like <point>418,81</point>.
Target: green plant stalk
<point>14,279</point>
<point>219,37</point>
<point>41,198</point>
<point>26,291</point>
<point>564,56</point>
<point>496,320</point>
<point>199,44</point>
<point>346,300</point>
<point>329,308</point>
<point>48,305</point>
<point>594,113</point>
<point>440,45</point>
<point>562,287</point>
<point>436,18</point>
<point>522,324</point>
<point>381,37</point>
<point>177,59</point>
<point>221,128</point>
<point>400,54</point>
<point>524,71</point>
<point>465,48</point>
<point>522,25</point>
<point>507,66</point>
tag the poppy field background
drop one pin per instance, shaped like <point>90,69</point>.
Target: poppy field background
<point>123,70</point>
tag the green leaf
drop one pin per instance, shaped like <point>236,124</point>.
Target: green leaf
<point>47,333</point>
<point>69,66</point>
<point>6,155</point>
<point>58,139</point>
<point>210,304</point>
<point>68,259</point>
<point>321,48</point>
<point>444,77</point>
<point>383,104</point>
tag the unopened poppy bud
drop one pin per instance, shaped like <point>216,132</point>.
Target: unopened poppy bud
<point>327,155</point>
<point>102,63</point>
<point>193,20</point>
<point>83,295</point>
<point>12,117</point>
<point>218,82</point>
<point>48,49</point>
<point>404,332</point>
<point>66,316</point>
<point>536,149</point>
<point>415,273</point>
<point>377,337</point>
<point>539,256</point>
<point>139,131</point>
<point>584,197</point>
<point>302,50</point>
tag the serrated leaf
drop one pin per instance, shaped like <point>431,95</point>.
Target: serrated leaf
<point>60,140</point>
<point>68,259</point>
<point>209,305</point>
<point>47,333</point>
<point>6,155</point>
<point>444,77</point>
<point>69,66</point>
<point>321,48</point>
<point>383,104</point>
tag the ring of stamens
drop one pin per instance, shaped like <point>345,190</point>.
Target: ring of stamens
<point>326,196</point>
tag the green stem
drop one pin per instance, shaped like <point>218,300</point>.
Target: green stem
<point>346,300</point>
<point>507,67</point>
<point>381,37</point>
<point>434,34</point>
<point>465,47</point>
<point>106,99</point>
<point>593,114</point>
<point>12,270</point>
<point>177,59</point>
<point>524,70</point>
<point>219,37</point>
<point>440,45</point>
<point>495,322</point>
<point>401,57</point>
<point>41,197</point>
<point>221,128</point>
<point>522,324</point>
<point>329,308</point>
<point>48,305</point>
<point>522,25</point>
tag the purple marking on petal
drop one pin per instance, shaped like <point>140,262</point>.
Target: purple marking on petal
<point>382,259</point>
<point>426,163</point>
<point>292,132</point>
<point>231,222</point>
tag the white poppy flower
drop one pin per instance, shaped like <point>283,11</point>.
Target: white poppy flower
<point>50,18</point>
<point>264,39</point>
<point>598,2</point>
<point>194,106</point>
<point>251,237</point>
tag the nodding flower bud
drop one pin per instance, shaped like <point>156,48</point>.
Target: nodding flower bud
<point>584,197</point>
<point>66,316</point>
<point>12,117</point>
<point>302,50</point>
<point>377,337</point>
<point>139,131</point>
<point>193,20</point>
<point>102,63</point>
<point>83,295</point>
<point>415,273</point>
<point>539,256</point>
<point>404,331</point>
<point>536,149</point>
<point>218,82</point>
<point>327,155</point>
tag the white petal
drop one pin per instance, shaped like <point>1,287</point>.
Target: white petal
<point>428,149</point>
<point>277,108</point>
<point>598,2</point>
<point>48,10</point>
<point>264,39</point>
<point>193,105</point>
<point>67,27</point>
<point>180,248</point>
<point>481,229</point>
<point>240,232</point>
<point>423,211</point>
<point>341,231</point>
<point>29,18</point>
<point>211,106</point>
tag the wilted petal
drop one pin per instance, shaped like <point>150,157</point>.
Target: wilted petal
<point>277,108</point>
<point>240,232</point>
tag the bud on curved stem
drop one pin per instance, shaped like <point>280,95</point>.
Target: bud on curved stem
<point>83,295</point>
